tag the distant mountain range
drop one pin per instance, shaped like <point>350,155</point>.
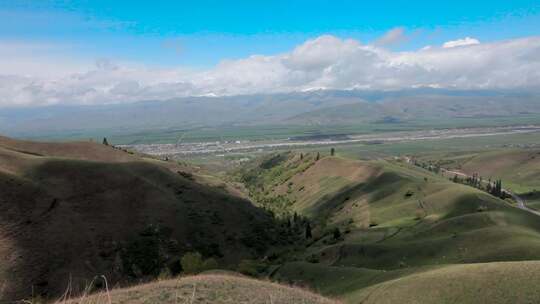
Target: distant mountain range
<point>305,108</point>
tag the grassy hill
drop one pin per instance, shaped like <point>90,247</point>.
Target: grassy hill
<point>207,288</point>
<point>69,212</point>
<point>501,282</point>
<point>519,169</point>
<point>496,282</point>
<point>383,231</point>
<point>394,220</point>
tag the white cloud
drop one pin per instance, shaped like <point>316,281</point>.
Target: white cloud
<point>461,42</point>
<point>392,37</point>
<point>324,62</point>
<point>39,59</point>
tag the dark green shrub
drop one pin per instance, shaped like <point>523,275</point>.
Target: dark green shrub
<point>193,263</point>
<point>252,267</point>
<point>142,257</point>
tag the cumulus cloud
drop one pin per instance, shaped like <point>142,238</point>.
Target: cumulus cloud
<point>461,42</point>
<point>326,62</point>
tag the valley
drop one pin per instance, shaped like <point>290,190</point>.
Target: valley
<point>398,224</point>
<point>378,212</point>
<point>181,149</point>
<point>269,152</point>
<point>373,222</point>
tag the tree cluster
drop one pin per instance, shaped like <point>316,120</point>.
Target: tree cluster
<point>474,181</point>
<point>493,188</point>
<point>496,189</point>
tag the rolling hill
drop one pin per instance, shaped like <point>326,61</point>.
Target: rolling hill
<point>518,168</point>
<point>69,212</point>
<point>396,225</point>
<point>207,288</point>
<point>501,282</point>
<point>496,282</point>
<point>421,107</point>
<point>382,230</point>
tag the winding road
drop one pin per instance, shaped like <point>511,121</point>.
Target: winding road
<point>520,202</point>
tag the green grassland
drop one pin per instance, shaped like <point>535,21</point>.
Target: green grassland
<point>383,230</point>
<point>435,146</point>
<point>398,224</point>
<point>532,199</point>
<point>284,131</point>
<point>518,168</point>
<point>502,282</point>
<point>430,149</point>
<point>276,131</point>
<point>496,282</point>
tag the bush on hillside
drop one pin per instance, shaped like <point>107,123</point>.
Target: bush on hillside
<point>313,259</point>
<point>164,274</point>
<point>193,263</point>
<point>146,254</point>
<point>186,175</point>
<point>252,267</point>
<point>336,233</point>
<point>481,208</point>
<point>257,238</point>
<point>143,257</point>
<point>210,264</point>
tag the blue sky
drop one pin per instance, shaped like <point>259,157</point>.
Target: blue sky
<point>201,33</point>
<point>96,52</point>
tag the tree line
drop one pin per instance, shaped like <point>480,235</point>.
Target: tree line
<point>475,180</point>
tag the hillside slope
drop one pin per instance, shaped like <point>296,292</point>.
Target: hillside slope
<point>376,221</point>
<point>71,211</point>
<point>496,282</point>
<point>491,283</point>
<point>207,288</point>
<point>518,168</point>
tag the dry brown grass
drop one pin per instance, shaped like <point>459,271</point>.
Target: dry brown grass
<point>74,150</point>
<point>203,289</point>
<point>325,176</point>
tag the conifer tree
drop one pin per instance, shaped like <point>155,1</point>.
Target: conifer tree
<point>308,231</point>
<point>336,233</point>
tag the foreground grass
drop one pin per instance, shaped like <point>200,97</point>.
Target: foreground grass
<point>493,283</point>
<point>206,288</point>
